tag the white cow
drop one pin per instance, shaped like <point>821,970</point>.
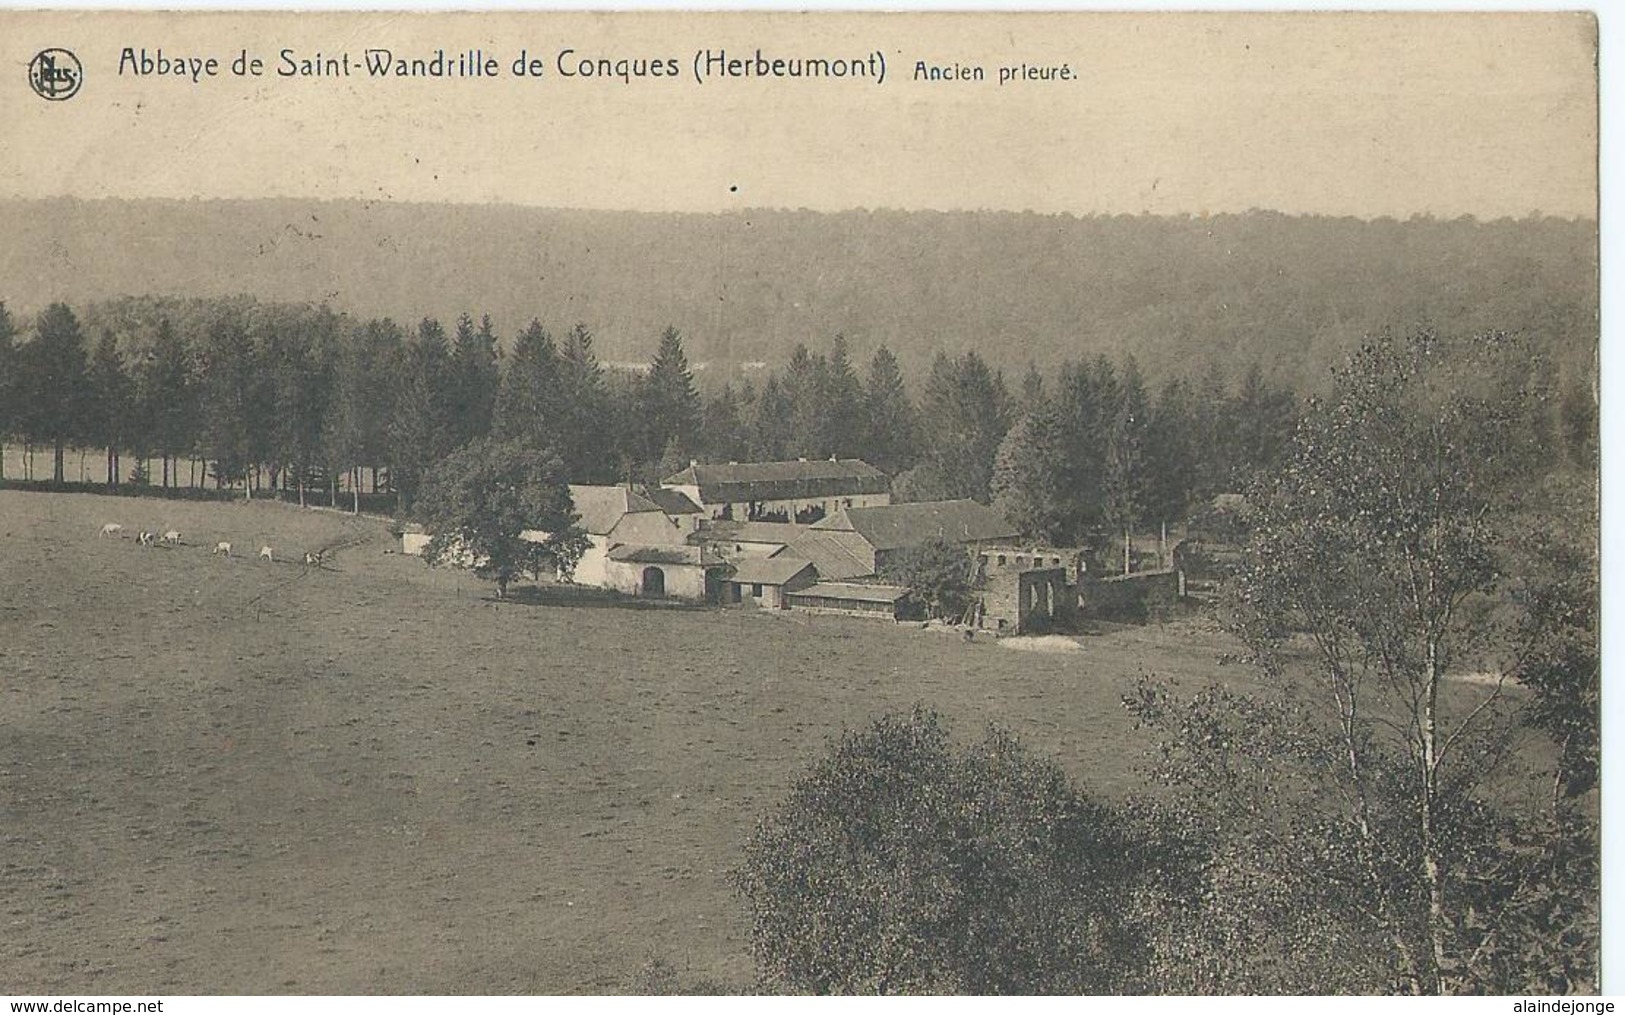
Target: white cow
<point>144,538</point>
<point>266,554</point>
<point>313,558</point>
<point>172,537</point>
<point>110,529</point>
<point>223,548</point>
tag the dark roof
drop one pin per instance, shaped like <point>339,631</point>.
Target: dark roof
<point>637,553</point>
<point>854,592</point>
<point>768,570</point>
<point>754,481</point>
<point>601,507</point>
<point>750,532</point>
<point>673,502</point>
<point>899,525</point>
<point>837,555</point>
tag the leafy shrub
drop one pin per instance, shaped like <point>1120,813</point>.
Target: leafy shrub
<point>940,572</point>
<point>902,864</point>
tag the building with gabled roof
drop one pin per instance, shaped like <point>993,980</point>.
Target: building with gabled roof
<point>676,505</point>
<point>884,530</point>
<point>798,491</point>
<point>746,539</point>
<point>665,572</point>
<point>765,581</point>
<point>837,555</point>
<point>602,508</point>
<point>614,516</point>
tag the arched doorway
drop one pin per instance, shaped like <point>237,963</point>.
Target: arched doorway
<point>654,582</point>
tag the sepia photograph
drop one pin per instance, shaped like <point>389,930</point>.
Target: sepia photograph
<point>769,503</point>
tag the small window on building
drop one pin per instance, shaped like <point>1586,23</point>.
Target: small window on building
<point>1001,560</point>
<point>1021,561</point>
<point>756,590</point>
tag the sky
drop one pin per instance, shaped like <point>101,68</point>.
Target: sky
<point>1346,114</point>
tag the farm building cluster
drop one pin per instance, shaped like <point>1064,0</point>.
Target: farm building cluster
<point>813,536</point>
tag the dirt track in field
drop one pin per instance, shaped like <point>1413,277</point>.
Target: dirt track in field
<point>228,776</point>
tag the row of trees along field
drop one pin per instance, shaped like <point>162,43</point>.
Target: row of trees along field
<point>298,398</point>
<point>302,399</point>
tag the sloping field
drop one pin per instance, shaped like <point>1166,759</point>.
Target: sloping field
<point>227,776</point>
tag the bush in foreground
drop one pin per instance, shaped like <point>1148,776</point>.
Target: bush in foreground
<point>901,863</point>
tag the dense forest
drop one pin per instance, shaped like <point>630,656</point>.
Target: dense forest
<point>1180,294</point>
<point>305,401</point>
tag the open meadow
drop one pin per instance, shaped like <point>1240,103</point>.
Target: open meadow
<point>229,776</point>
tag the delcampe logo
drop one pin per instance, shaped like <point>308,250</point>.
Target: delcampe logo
<point>55,74</point>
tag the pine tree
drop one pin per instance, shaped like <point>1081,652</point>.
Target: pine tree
<point>624,430</point>
<point>302,363</point>
<point>53,373</point>
<point>964,416</point>
<point>1262,418</point>
<point>230,377</point>
<point>168,397</point>
<point>529,403</point>
<point>421,426</point>
<point>112,403</point>
<point>725,436</point>
<point>806,427</point>
<point>356,430</point>
<point>766,423</point>
<point>1170,454</point>
<point>890,434</point>
<point>475,379</point>
<point>1086,403</point>
<point>1027,476</point>
<point>671,405</point>
<point>843,405</point>
<point>587,438</point>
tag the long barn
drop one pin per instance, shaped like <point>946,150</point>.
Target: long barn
<point>800,491</point>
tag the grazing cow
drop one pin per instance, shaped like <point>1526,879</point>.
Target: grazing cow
<point>222,548</point>
<point>314,559</point>
<point>266,554</point>
<point>172,537</point>
<point>144,538</point>
<point>110,529</point>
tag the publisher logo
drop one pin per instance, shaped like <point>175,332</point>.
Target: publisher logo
<point>55,74</point>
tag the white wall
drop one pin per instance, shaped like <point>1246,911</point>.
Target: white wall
<point>591,568</point>
<point>683,581</point>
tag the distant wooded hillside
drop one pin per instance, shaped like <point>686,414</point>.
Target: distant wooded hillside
<point>1178,293</point>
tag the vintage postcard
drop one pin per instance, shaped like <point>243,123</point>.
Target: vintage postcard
<point>774,503</point>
